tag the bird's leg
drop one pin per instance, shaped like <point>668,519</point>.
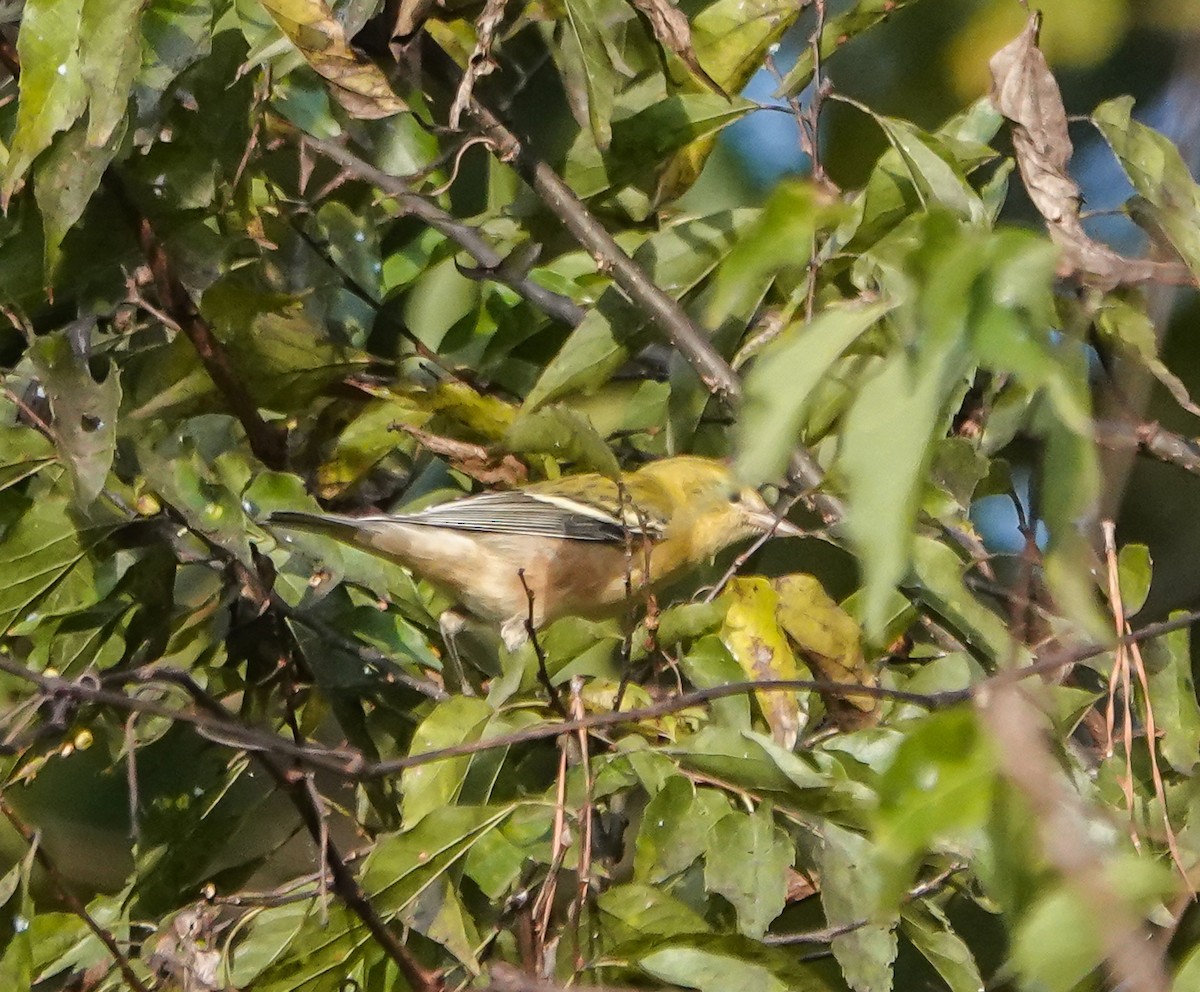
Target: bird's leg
<point>451,624</point>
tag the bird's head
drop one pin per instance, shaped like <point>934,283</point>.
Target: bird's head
<point>712,505</point>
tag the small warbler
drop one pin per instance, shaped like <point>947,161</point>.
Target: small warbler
<point>575,546</point>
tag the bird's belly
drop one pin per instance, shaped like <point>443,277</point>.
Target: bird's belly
<point>494,575</point>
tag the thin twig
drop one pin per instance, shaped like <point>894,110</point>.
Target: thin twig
<point>1120,674</point>
<point>352,764</point>
<point>561,308</point>
<point>266,441</point>
<point>1166,446</point>
<point>687,338</point>
<point>72,901</point>
<point>1062,818</point>
<point>583,872</point>
<point>827,935</point>
<point>556,702</point>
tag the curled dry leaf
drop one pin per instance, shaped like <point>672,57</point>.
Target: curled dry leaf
<point>671,28</point>
<point>1025,91</point>
<point>480,463</point>
<point>481,62</point>
<point>357,84</point>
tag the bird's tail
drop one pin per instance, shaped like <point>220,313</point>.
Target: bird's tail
<point>334,525</point>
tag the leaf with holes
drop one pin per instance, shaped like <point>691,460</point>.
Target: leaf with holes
<point>85,412</point>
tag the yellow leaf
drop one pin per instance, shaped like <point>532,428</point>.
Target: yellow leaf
<point>828,637</point>
<point>356,83</point>
<point>752,635</point>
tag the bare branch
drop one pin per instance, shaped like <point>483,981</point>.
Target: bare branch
<point>561,308</point>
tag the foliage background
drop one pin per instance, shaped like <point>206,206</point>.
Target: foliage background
<point>237,251</point>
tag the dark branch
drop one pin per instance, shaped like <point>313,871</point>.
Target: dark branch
<point>560,307</point>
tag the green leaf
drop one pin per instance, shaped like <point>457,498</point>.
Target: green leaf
<point>175,33</point>
<point>939,572</point>
<point>564,434</point>
<point>647,911</point>
<point>43,554</point>
<point>747,862</point>
<point>730,38</point>
<point>403,865</point>
<point>432,786</point>
<point>851,895</point>
<point>64,180</point>
<point>938,790</point>
<point>269,936</point>
<point>885,455</point>
<point>1188,975</point>
<point>838,31</point>
<point>1173,696</point>
<point>590,75</point>
<point>110,55</point>
<point>53,91</point>
<point>781,382</point>
<point>85,412</point>
<point>1169,199</point>
<point>928,930</point>
<point>780,238</point>
<point>1134,572</point>
<point>1133,332</point>
<point>23,452</point>
<point>938,177</point>
<point>17,961</point>
<point>641,141</point>
<point>676,829</point>
<point>676,258</point>
<point>709,970</point>
<point>1057,941</point>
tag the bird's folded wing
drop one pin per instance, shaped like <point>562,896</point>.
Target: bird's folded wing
<point>538,514</point>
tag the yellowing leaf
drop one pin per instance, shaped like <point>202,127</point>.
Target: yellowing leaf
<point>752,635</point>
<point>357,84</point>
<point>831,642</point>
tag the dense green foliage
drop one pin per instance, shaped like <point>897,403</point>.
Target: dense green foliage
<point>262,255</point>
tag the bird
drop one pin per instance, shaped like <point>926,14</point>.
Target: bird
<point>578,545</point>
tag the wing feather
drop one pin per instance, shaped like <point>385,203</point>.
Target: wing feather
<point>537,514</point>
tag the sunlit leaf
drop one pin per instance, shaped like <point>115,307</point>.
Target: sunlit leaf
<point>747,862</point>
<point>782,381</point>
<point>1168,199</point>
<point>752,635</point>
<point>357,84</point>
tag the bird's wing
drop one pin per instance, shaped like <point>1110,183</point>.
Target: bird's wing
<point>538,514</point>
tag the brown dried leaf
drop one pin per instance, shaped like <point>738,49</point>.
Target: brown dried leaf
<point>475,460</point>
<point>671,28</point>
<point>481,62</point>
<point>357,84</point>
<point>802,886</point>
<point>1025,91</point>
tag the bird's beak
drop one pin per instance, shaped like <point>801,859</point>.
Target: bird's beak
<point>767,521</point>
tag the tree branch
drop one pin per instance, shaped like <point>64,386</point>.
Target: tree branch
<point>266,441</point>
<point>561,308</point>
<point>67,895</point>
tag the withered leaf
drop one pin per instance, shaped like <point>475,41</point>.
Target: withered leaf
<point>671,28</point>
<point>356,83</point>
<point>480,463</point>
<point>1025,91</point>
